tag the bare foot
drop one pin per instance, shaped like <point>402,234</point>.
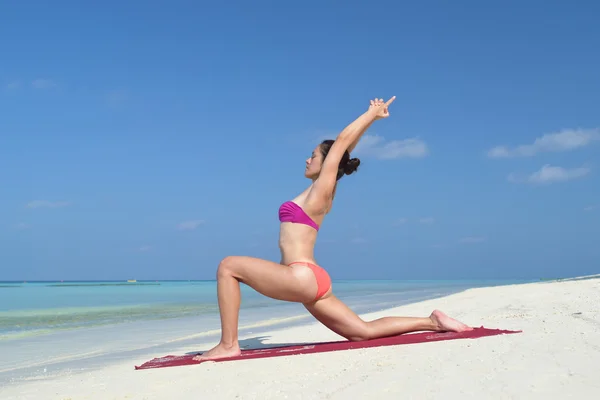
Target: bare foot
<point>447,324</point>
<point>219,351</point>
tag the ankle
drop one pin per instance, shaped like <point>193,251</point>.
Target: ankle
<point>434,324</point>
<point>229,344</point>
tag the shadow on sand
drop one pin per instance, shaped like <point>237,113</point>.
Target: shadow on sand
<point>257,343</point>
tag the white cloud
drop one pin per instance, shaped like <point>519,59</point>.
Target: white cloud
<point>549,174</point>
<point>47,204</point>
<point>472,239</point>
<point>591,207</point>
<point>22,226</point>
<point>359,240</point>
<point>13,85</point>
<point>427,220</point>
<point>189,225</point>
<point>145,248</point>
<point>376,146</point>
<point>565,140</point>
<point>400,221</point>
<point>43,84</point>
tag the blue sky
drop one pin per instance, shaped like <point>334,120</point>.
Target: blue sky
<point>151,141</point>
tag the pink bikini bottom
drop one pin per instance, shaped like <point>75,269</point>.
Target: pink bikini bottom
<point>323,279</point>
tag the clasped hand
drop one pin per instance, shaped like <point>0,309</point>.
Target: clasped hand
<point>380,108</point>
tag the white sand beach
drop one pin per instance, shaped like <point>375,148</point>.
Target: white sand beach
<point>556,356</point>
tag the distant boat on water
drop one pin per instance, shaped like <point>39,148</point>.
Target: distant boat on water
<point>131,280</point>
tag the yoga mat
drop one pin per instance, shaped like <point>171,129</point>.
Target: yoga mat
<point>175,361</point>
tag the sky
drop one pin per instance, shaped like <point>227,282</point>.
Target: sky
<point>150,141</point>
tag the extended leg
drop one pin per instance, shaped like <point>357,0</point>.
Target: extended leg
<point>335,315</point>
<point>277,281</point>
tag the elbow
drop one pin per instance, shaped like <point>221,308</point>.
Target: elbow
<point>345,139</point>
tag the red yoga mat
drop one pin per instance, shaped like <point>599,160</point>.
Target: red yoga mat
<point>175,361</point>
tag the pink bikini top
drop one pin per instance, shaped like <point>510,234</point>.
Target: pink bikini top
<point>292,212</point>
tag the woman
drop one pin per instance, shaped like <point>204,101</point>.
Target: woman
<point>298,277</point>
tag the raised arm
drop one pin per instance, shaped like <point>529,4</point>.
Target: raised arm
<point>353,144</point>
<point>347,141</point>
<point>363,130</point>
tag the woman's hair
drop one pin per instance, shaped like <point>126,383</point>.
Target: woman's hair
<point>347,165</point>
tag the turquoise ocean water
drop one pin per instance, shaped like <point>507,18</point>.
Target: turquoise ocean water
<point>49,328</point>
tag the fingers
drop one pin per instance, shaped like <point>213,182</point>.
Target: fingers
<point>381,103</point>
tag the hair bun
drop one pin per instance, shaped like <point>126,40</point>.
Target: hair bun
<point>351,166</point>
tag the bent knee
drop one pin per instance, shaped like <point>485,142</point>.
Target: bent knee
<point>360,335</point>
<point>226,267</point>
<point>358,338</point>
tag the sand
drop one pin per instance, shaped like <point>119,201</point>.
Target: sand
<point>556,356</point>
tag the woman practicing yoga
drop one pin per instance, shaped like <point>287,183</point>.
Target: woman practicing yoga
<point>298,277</point>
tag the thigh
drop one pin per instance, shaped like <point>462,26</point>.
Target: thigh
<point>281,282</point>
<point>338,317</point>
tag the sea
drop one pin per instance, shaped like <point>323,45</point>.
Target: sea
<point>50,329</point>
